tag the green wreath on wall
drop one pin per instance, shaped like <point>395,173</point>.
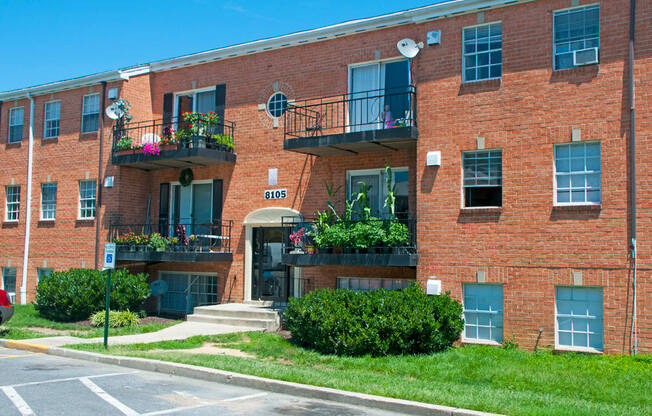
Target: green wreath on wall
<point>186,176</point>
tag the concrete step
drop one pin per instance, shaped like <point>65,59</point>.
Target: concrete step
<point>250,313</point>
<point>266,324</point>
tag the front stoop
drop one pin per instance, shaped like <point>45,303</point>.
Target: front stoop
<point>255,317</point>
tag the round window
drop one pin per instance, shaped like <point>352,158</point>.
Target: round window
<point>277,104</point>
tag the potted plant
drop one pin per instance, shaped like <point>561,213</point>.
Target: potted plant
<point>298,238</point>
<point>397,236</point>
<point>168,141</point>
<point>125,145</point>
<point>157,242</point>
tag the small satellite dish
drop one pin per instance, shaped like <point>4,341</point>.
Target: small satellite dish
<point>114,112</point>
<point>150,138</point>
<point>409,48</point>
<point>158,287</point>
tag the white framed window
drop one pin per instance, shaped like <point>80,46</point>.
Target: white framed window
<point>374,180</point>
<point>16,116</point>
<point>48,201</point>
<point>52,117</point>
<point>370,283</point>
<point>483,178</point>
<point>9,282</point>
<point>577,174</point>
<point>43,272</point>
<point>12,203</point>
<point>90,113</point>
<point>483,313</point>
<point>277,104</point>
<point>87,193</point>
<point>579,323</point>
<point>483,52</point>
<point>574,29</point>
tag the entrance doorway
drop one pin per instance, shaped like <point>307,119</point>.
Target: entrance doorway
<point>269,276</point>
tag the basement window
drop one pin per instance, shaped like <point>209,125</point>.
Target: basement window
<point>483,175</point>
<point>366,283</point>
<point>579,318</point>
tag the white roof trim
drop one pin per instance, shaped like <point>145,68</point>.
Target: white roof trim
<point>412,16</point>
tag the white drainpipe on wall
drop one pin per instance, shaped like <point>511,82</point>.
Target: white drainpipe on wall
<point>28,214</point>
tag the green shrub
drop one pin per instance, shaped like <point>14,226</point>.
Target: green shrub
<point>378,322</point>
<point>398,235</point>
<point>75,294</point>
<point>367,234</point>
<point>117,319</point>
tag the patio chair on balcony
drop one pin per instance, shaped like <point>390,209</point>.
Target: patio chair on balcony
<point>316,126</point>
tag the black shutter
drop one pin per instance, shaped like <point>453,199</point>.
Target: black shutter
<point>164,209</point>
<point>217,206</point>
<point>177,206</point>
<point>220,104</point>
<point>168,103</point>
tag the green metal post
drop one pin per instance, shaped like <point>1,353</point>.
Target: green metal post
<point>106,311</point>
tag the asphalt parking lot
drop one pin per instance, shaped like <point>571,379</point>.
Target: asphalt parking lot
<point>38,384</point>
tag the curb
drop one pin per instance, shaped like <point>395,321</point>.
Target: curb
<point>243,380</point>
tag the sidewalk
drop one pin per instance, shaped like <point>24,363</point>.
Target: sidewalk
<point>176,332</point>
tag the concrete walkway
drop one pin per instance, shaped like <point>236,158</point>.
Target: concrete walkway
<point>176,332</point>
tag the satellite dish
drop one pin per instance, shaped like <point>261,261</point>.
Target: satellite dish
<point>409,48</point>
<point>114,112</point>
<point>158,287</point>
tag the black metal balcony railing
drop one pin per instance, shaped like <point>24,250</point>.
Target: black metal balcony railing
<point>174,133</point>
<point>183,237</point>
<point>374,236</point>
<point>353,112</point>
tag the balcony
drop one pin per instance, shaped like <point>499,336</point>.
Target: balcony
<point>369,121</point>
<point>173,143</point>
<point>185,242</point>
<point>374,242</point>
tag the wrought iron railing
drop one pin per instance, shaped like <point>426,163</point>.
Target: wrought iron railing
<point>371,236</point>
<point>173,133</point>
<point>346,113</point>
<point>210,236</point>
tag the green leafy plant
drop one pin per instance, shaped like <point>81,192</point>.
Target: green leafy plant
<point>377,323</point>
<point>397,235</point>
<point>125,143</point>
<point>75,294</point>
<point>367,234</point>
<point>117,319</point>
<point>157,242</point>
<point>224,140</point>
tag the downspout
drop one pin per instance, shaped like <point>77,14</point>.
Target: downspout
<point>28,214</point>
<point>632,166</point>
<point>98,203</point>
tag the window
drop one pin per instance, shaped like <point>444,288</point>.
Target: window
<point>577,174</point>
<point>90,113</point>
<point>483,178</point>
<point>52,118</point>
<point>9,281</point>
<point>48,201</point>
<point>16,124</point>
<point>575,30</point>
<point>365,283</point>
<point>483,52</point>
<point>43,272</point>
<point>12,206</point>
<point>87,200</point>
<point>579,318</point>
<point>483,313</point>
<point>277,104</point>
<point>375,182</point>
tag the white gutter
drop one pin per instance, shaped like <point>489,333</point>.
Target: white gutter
<point>28,215</point>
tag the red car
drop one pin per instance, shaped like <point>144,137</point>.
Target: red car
<point>6,308</point>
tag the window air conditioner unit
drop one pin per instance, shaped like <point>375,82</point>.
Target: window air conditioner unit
<point>585,57</point>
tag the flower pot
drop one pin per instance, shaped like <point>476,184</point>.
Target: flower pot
<point>337,250</point>
<point>167,147</point>
<point>297,250</point>
<point>126,152</point>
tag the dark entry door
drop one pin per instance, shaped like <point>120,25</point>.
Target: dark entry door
<point>269,275</point>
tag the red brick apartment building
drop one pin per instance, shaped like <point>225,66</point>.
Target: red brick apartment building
<point>510,141</point>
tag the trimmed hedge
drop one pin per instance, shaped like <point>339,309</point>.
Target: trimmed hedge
<point>378,322</point>
<point>76,294</point>
<point>117,319</point>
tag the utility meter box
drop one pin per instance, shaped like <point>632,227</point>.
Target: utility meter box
<point>433,287</point>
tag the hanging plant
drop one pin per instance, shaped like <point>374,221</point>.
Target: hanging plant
<point>186,176</point>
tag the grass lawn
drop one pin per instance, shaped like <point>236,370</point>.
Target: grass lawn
<point>25,317</point>
<point>474,377</point>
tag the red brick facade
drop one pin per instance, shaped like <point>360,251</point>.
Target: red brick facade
<point>529,245</point>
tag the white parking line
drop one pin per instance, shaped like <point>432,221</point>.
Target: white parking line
<point>251,396</point>
<point>58,380</point>
<point>18,401</point>
<point>177,409</point>
<point>126,410</point>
